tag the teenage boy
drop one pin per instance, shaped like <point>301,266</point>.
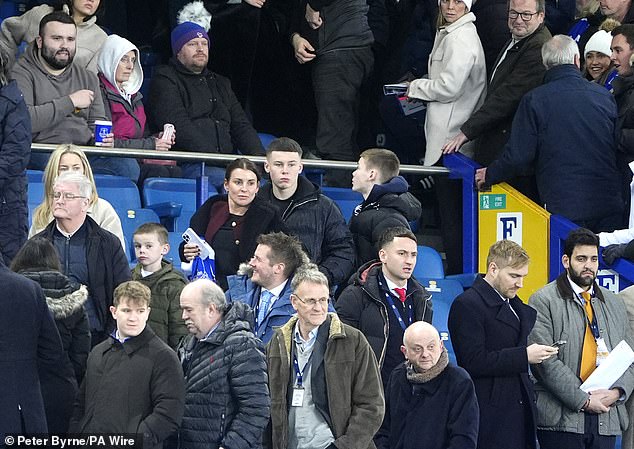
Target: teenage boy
<point>165,283</point>
<point>133,379</point>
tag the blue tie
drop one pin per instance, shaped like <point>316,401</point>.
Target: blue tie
<point>265,301</point>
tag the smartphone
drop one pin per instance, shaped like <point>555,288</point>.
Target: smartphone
<point>559,343</point>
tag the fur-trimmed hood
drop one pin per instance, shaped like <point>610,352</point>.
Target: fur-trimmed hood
<point>63,296</point>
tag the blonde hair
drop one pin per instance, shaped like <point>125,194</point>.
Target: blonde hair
<point>43,213</point>
<point>506,253</point>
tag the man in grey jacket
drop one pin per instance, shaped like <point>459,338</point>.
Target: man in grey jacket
<point>63,99</point>
<point>587,321</point>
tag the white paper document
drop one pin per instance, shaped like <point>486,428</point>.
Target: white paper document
<point>611,369</point>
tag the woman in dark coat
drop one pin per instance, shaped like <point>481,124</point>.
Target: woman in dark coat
<point>38,261</point>
<point>231,223</point>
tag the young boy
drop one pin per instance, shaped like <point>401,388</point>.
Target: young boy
<point>133,380</point>
<point>150,245</point>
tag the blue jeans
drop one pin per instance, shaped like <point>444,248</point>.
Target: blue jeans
<point>118,166</point>
<point>216,174</point>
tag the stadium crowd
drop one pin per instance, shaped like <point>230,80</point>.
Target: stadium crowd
<point>311,332</point>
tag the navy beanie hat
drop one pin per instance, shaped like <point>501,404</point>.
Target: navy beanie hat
<point>184,33</point>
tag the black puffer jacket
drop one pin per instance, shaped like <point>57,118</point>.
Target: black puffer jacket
<point>227,399</point>
<point>204,110</point>
<point>318,223</point>
<point>65,300</point>
<point>362,306</point>
<point>388,205</point>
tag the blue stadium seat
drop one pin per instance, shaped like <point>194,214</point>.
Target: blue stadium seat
<point>443,292</point>
<point>266,139</point>
<point>346,199</point>
<point>131,219</point>
<point>173,199</point>
<point>35,187</point>
<point>428,264</point>
<point>119,191</point>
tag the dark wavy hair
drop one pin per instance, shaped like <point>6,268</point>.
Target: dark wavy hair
<point>59,6</point>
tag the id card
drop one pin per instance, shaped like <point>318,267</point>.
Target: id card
<point>602,351</point>
<point>298,397</point>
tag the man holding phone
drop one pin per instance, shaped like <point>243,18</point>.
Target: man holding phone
<point>593,320</point>
<point>489,326</point>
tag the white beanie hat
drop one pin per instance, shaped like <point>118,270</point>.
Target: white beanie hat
<point>600,42</point>
<point>467,3</point>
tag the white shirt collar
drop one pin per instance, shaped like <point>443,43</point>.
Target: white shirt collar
<point>577,289</point>
<point>391,285</point>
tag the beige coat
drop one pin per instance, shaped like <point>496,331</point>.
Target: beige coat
<point>456,86</point>
<point>25,28</point>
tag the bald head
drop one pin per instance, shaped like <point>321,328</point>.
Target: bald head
<point>422,345</point>
<point>203,304</point>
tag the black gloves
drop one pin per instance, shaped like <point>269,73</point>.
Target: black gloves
<point>613,252</point>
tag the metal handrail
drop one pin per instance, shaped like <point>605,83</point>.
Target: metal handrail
<point>216,157</point>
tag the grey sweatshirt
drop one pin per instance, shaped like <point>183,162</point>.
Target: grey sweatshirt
<point>53,116</point>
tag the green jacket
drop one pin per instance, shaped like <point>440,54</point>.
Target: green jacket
<point>354,393</point>
<point>561,317</point>
<point>165,314</point>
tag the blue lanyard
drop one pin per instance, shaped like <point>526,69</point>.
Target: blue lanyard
<point>299,374</point>
<point>410,320</point>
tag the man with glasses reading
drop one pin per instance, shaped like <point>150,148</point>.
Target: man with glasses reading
<point>517,70</point>
<point>88,253</point>
<point>323,376</point>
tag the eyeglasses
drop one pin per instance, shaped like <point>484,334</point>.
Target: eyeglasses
<point>127,60</point>
<point>312,302</point>
<point>526,16</point>
<point>66,195</point>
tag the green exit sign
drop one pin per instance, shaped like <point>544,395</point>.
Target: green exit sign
<point>490,201</point>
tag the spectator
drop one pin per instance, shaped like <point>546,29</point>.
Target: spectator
<point>306,212</point>
<point>334,381</point>
<point>341,60</point>
<point>18,29</point>
<point>489,326</point>
<point>15,150</point>
<point>592,320</point>
<point>454,89</point>
<point>222,355</point>
<point>89,254</point>
<point>622,51</point>
<point>456,84</point>
<point>568,124</point>
<point>199,103</point>
<point>134,382</point>
<point>166,283</point>
<point>38,261</point>
<point>69,158</point>
<point>384,299</point>
<point>63,98</point>
<point>386,201</point>
<point>266,285</point>
<point>231,223</point>
<point>427,385</point>
<point>518,69</point>
<point>583,29</point>
<point>627,440</point>
<point>29,342</point>
<point>120,78</point>
<point>597,66</point>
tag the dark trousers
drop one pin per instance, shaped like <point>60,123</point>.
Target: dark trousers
<point>589,440</point>
<point>337,79</point>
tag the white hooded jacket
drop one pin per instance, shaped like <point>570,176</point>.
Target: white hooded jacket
<point>113,49</point>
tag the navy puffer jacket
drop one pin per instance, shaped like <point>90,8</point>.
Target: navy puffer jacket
<point>227,399</point>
